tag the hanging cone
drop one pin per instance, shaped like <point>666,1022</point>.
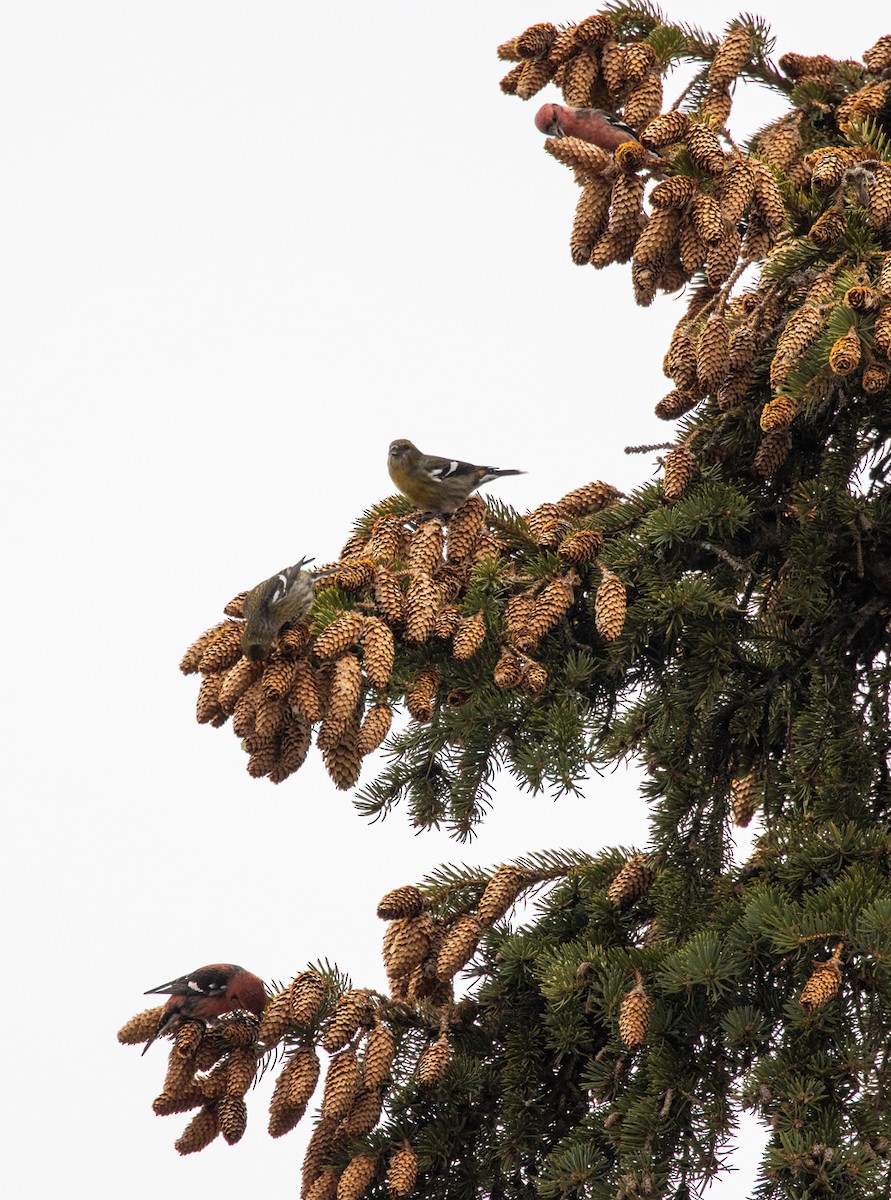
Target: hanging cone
<point>402,1171</point>
<point>631,882</point>
<point>407,901</point>
<point>824,982</point>
<point>634,1015</point>
<point>433,1063</point>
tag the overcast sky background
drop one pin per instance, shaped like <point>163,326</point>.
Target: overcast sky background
<point>245,246</point>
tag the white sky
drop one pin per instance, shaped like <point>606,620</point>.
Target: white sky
<point>244,247</point>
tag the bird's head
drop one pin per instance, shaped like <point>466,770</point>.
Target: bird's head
<point>254,648</point>
<point>401,450</point>
<point>548,120</point>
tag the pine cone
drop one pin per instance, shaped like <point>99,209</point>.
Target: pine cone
<point>634,879</point>
<point>535,678</point>
<point>824,982</point>
<point>675,404</point>
<point>582,156</point>
<point>631,156</point>
<point>881,334</point>
<point>356,1177</point>
<point>433,1063</point>
<point>242,1069</point>
<point>232,1114</point>
<point>723,257</point>
<point>581,547</point>
<point>679,363</point>
<point>666,130</point>
<point>862,299</point>
<point>772,453</point>
<point>878,57</point>
<point>235,607</point>
<point>388,597</point>
<point>875,379</point>
<point>466,523</point>
<point>200,1131</point>
<point>508,672</point>
<point>407,901</point>
<point>307,994</point>
<point>586,500</point>
<point>207,706</point>
<point>534,76</point>
<point>713,353</point>
<point>374,728</point>
<point>644,101</point>
<point>680,467</point>
<point>458,947</point>
<point>778,413</point>
<point>447,620</point>
<point>500,893</point>
<point>321,1146</point>
<point>578,80</point>
<point>419,698</point>
<point>692,248</point>
<point>844,357</point>
<point>380,1049</point>
<point>223,649</point>
<point>342,1084</point>
<point>141,1027</point>
<point>878,190</point>
<point>884,281</point>
<point>364,1114</point>
<point>591,218</point>
<point>828,228</point>
<point>469,636</point>
<point>705,150</point>
<point>675,192</point>
<point>421,606</point>
<point>324,1186</point>
<point>594,31</point>
<point>536,41</point>
<point>730,57</point>
<point>342,760</point>
<point>552,603</point>
<point>768,198</point>
<point>339,635</point>
<point>406,945</point>
<point>745,796</point>
<point>634,1015</point>
<point>352,1010</point>
<point>402,1171</point>
<point>609,607</point>
<point>425,553</point>
<point>736,191</point>
<point>386,540</point>
<point>379,651</point>
<point>237,680</point>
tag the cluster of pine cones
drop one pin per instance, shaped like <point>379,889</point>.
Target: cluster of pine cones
<point>717,210</point>
<point>400,583</point>
<point>211,1069</point>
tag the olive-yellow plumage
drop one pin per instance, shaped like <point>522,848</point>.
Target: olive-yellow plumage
<point>436,485</point>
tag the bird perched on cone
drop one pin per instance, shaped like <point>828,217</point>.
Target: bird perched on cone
<point>593,125</point>
<point>205,995</point>
<point>436,485</point>
<point>273,603</point>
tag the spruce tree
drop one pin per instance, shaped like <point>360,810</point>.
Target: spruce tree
<point>726,627</point>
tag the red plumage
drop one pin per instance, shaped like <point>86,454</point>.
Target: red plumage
<point>206,994</point>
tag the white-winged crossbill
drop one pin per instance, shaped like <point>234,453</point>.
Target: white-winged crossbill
<point>269,606</point>
<point>436,485</point>
<point>205,995</point>
<point>593,125</point>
